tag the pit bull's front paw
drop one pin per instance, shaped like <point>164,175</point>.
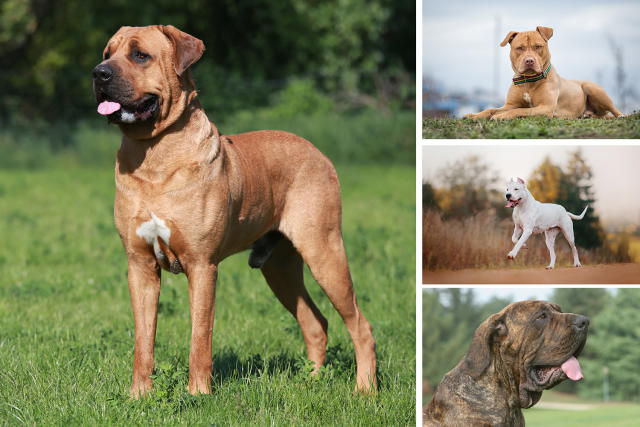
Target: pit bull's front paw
<point>577,265</point>
<point>511,255</point>
<point>549,267</point>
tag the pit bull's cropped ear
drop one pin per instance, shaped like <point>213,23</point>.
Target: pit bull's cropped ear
<point>509,37</point>
<point>187,49</point>
<point>479,355</point>
<point>545,32</point>
<point>520,180</point>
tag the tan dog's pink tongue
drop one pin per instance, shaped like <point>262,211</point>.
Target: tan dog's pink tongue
<point>572,368</point>
<point>107,107</point>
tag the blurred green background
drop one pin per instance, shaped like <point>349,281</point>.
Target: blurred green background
<point>335,71</point>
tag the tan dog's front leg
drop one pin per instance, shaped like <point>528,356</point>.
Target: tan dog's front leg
<point>542,110</point>
<point>202,293</point>
<point>144,288</point>
<point>491,112</point>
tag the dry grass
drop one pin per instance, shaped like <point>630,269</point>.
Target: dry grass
<point>483,241</point>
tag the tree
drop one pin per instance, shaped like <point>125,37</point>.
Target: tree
<point>579,193</point>
<point>467,187</point>
<point>546,182</point>
<point>613,349</point>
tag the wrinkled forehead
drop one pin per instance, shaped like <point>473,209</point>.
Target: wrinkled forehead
<point>525,310</point>
<point>145,38</point>
<point>527,38</point>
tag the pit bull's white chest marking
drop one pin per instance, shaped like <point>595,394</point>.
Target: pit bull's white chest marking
<point>527,99</point>
<point>151,230</point>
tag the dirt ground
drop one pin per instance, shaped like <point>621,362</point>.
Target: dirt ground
<point>596,274</point>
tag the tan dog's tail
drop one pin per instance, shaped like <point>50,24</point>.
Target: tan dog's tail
<point>572,216</point>
<point>599,101</point>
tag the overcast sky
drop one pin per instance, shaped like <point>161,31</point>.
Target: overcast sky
<point>616,170</point>
<point>460,40</point>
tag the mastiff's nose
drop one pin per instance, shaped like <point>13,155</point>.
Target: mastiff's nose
<point>581,322</point>
<point>508,196</point>
<point>102,73</point>
<point>529,61</point>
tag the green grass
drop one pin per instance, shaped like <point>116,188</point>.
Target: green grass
<point>532,128</point>
<point>598,415</point>
<point>66,329</point>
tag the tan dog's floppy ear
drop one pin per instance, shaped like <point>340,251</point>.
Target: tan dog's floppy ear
<point>188,49</point>
<point>545,32</point>
<point>509,37</point>
<point>478,356</point>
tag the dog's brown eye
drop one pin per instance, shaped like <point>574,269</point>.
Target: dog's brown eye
<point>542,316</point>
<point>139,56</point>
<point>106,56</point>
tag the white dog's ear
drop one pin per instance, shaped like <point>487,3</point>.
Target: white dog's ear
<point>520,180</point>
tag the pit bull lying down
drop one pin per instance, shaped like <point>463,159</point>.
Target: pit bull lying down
<point>533,217</point>
<point>538,90</point>
<point>528,347</point>
<point>187,197</point>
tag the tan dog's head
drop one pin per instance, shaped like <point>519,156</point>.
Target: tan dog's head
<point>532,342</point>
<point>143,83</point>
<point>529,50</point>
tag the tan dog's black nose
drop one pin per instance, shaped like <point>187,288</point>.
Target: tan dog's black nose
<point>102,73</point>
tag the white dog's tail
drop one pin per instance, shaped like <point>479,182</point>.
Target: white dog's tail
<point>572,216</point>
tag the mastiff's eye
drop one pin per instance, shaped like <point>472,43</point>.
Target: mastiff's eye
<point>542,316</point>
<point>139,56</point>
<point>107,56</point>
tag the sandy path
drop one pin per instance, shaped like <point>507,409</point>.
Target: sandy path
<point>598,274</point>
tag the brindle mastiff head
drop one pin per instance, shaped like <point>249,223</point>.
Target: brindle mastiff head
<point>529,50</point>
<point>532,344</point>
<point>143,83</point>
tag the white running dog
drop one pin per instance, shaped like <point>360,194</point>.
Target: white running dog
<point>532,217</point>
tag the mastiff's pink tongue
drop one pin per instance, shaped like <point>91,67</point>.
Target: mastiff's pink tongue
<point>572,368</point>
<point>107,107</point>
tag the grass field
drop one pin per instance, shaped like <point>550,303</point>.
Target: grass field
<point>532,128</point>
<point>570,411</point>
<point>66,329</point>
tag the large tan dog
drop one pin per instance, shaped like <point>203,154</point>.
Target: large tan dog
<point>516,354</point>
<point>188,197</point>
<point>538,90</point>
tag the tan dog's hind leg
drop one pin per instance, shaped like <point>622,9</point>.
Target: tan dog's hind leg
<point>144,288</point>
<point>202,294</point>
<point>322,249</point>
<point>283,272</point>
<point>598,101</point>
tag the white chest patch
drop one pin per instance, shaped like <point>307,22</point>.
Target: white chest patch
<point>151,230</point>
<point>527,99</point>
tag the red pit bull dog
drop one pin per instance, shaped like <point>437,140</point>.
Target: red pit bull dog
<point>538,90</point>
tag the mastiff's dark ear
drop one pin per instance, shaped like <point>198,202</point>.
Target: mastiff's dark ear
<point>508,38</point>
<point>479,354</point>
<point>187,49</point>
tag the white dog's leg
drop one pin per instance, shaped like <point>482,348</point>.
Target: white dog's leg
<point>567,230</point>
<point>550,239</point>
<point>517,231</point>
<point>521,242</point>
